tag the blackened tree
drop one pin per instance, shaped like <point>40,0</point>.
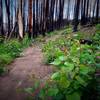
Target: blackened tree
<point>76,15</point>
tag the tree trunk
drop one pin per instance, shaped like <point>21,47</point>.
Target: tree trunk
<point>30,18</point>
<point>97,10</point>
<point>7,4</point>
<point>34,18</point>
<point>76,15</point>
<point>1,19</point>
<point>20,21</point>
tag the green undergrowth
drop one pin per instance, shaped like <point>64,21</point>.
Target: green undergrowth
<point>76,64</point>
<point>64,31</point>
<point>10,50</point>
<point>96,40</point>
<point>76,67</point>
<point>52,35</point>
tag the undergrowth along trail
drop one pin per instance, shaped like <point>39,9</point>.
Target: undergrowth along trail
<point>23,70</point>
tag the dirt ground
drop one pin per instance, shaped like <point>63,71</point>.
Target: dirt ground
<point>22,72</point>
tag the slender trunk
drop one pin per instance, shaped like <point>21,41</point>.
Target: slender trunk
<point>20,20</point>
<point>30,18</point>
<point>7,4</point>
<point>76,15</point>
<point>34,18</point>
<point>1,19</point>
<point>97,10</point>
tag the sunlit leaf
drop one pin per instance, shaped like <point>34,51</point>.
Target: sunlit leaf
<point>84,70</point>
<point>56,62</point>
<point>70,66</point>
<point>62,58</point>
<point>55,76</point>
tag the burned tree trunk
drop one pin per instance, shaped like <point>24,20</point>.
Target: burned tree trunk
<point>7,4</point>
<point>46,15</point>
<point>97,10</point>
<point>34,29</point>
<point>76,15</point>
<point>1,19</point>
<point>30,18</point>
<point>83,12</point>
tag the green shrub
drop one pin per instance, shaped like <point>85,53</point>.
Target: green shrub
<point>5,59</point>
<point>76,67</point>
<point>13,47</point>
<point>26,41</point>
<point>68,31</point>
<point>52,33</point>
<point>1,39</point>
<point>54,49</point>
<point>98,27</point>
<point>96,38</point>
<point>11,50</point>
<point>75,73</point>
<point>96,45</point>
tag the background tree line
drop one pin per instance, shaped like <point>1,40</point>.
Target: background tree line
<point>35,17</point>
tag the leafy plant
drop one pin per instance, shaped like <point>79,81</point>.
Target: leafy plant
<point>11,50</point>
<point>96,45</point>
<point>1,39</point>
<point>67,31</point>
<point>75,73</point>
<point>51,51</point>
<point>98,27</point>
<point>26,41</point>
<point>75,64</point>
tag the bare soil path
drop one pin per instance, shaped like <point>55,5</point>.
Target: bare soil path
<point>23,69</point>
<point>22,72</point>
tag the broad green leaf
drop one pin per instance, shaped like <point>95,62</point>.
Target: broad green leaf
<point>42,93</point>
<point>56,62</point>
<point>64,68</point>
<point>84,70</point>
<point>53,91</point>
<point>81,81</point>
<point>98,65</point>
<point>64,83</point>
<point>62,58</point>
<point>55,76</point>
<point>70,66</point>
<point>74,96</point>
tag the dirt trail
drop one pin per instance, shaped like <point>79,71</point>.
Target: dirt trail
<point>23,70</point>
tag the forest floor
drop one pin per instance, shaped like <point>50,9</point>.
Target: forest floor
<point>22,72</point>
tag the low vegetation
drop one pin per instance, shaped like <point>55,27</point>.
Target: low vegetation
<point>10,50</point>
<point>75,64</point>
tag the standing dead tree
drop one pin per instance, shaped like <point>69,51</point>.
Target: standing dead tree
<point>76,15</point>
<point>30,18</point>
<point>1,19</point>
<point>20,19</point>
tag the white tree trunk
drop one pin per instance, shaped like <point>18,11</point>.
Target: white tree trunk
<point>20,20</point>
